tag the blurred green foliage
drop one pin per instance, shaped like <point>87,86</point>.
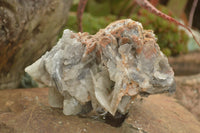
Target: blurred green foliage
<point>90,23</point>
<point>171,39</point>
<point>99,13</point>
<point>27,82</point>
<point>104,7</point>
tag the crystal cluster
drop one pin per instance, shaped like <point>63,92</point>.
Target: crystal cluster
<point>105,71</point>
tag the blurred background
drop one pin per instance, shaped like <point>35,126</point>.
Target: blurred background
<point>172,39</point>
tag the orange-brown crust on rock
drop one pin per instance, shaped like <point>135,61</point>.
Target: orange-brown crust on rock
<point>114,33</point>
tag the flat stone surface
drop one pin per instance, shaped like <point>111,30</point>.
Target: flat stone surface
<point>188,93</point>
<point>187,71</point>
<point>27,110</point>
<point>160,114</point>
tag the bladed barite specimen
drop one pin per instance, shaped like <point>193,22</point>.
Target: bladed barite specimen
<point>105,71</point>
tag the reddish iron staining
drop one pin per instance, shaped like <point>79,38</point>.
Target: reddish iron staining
<point>148,34</point>
<point>130,90</point>
<point>90,48</point>
<point>125,40</point>
<point>139,50</point>
<point>114,34</point>
<point>124,60</point>
<point>132,25</point>
<point>117,33</point>
<point>150,52</point>
<point>105,41</point>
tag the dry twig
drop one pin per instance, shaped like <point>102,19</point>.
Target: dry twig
<point>81,8</point>
<point>145,4</point>
<point>192,12</point>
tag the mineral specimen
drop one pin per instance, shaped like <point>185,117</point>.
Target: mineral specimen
<point>105,71</point>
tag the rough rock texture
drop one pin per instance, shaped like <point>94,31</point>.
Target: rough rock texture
<point>160,114</point>
<point>105,71</point>
<point>27,110</point>
<point>28,28</point>
<point>188,87</point>
<point>188,93</point>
